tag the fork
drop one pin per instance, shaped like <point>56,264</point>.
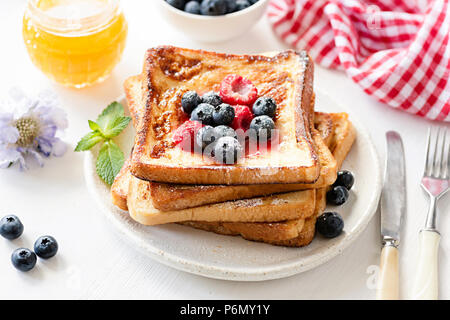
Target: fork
<point>435,182</point>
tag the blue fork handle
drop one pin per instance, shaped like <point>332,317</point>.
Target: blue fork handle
<point>426,278</point>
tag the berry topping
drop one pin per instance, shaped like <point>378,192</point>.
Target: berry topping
<point>46,247</point>
<point>184,134</point>
<point>203,113</point>
<point>262,126</point>
<point>190,101</point>
<point>264,106</point>
<point>205,136</point>
<point>243,117</point>
<point>338,195</point>
<point>227,150</point>
<point>212,98</point>
<point>213,7</point>
<point>223,114</point>
<point>224,131</point>
<point>235,89</point>
<point>330,224</point>
<point>23,259</point>
<point>11,227</point>
<point>345,179</point>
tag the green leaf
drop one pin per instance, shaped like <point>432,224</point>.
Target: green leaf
<point>94,126</point>
<point>117,127</point>
<point>109,116</point>
<point>109,162</point>
<point>88,141</point>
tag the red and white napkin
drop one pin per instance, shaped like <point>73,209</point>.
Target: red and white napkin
<point>398,51</point>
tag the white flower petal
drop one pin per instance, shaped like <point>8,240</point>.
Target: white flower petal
<point>9,134</point>
<point>8,156</point>
<point>36,156</point>
<point>6,118</point>
<point>59,148</point>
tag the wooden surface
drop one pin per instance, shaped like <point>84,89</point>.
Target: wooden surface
<point>95,263</point>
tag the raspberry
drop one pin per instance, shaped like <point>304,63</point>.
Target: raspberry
<point>184,135</point>
<point>243,117</point>
<point>237,90</point>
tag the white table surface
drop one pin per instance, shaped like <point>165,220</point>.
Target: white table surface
<point>94,263</point>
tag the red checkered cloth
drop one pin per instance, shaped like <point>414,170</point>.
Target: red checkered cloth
<point>398,51</point>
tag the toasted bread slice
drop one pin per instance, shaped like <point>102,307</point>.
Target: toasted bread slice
<point>169,197</point>
<point>169,72</point>
<point>286,206</point>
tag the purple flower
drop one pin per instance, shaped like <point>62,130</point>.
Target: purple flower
<point>29,129</point>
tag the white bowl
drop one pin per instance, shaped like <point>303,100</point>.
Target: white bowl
<point>213,28</point>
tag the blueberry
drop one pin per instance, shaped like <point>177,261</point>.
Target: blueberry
<point>11,227</point>
<point>203,113</point>
<point>192,7</point>
<point>212,98</point>
<point>223,114</point>
<point>46,247</point>
<point>264,106</point>
<point>224,131</point>
<point>242,4</point>
<point>231,6</point>
<point>330,224</point>
<point>179,4</point>
<point>262,127</point>
<point>253,1</point>
<point>338,195</point>
<point>23,259</point>
<point>227,150</point>
<point>345,179</point>
<point>190,101</point>
<point>205,136</point>
<point>213,7</point>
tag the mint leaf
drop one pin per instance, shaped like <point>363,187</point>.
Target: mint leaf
<point>108,117</point>
<point>94,126</point>
<point>117,127</point>
<point>109,162</point>
<point>88,141</point>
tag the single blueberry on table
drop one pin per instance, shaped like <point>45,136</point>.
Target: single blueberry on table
<point>23,259</point>
<point>11,227</point>
<point>46,247</point>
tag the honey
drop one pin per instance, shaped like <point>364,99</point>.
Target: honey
<point>75,42</point>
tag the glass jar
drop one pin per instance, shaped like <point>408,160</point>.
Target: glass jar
<point>75,42</point>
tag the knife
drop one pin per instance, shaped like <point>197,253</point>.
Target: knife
<point>393,207</point>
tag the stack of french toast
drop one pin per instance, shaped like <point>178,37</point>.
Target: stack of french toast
<point>272,195</point>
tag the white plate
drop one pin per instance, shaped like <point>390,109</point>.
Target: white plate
<point>233,258</point>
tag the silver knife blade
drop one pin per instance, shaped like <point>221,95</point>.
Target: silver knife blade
<point>393,196</point>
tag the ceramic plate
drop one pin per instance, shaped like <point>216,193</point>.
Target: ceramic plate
<point>233,258</point>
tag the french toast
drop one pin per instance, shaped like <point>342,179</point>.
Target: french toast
<point>298,232</point>
<point>169,72</point>
<point>168,197</point>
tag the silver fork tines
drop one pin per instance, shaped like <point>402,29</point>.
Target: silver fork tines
<point>436,175</point>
